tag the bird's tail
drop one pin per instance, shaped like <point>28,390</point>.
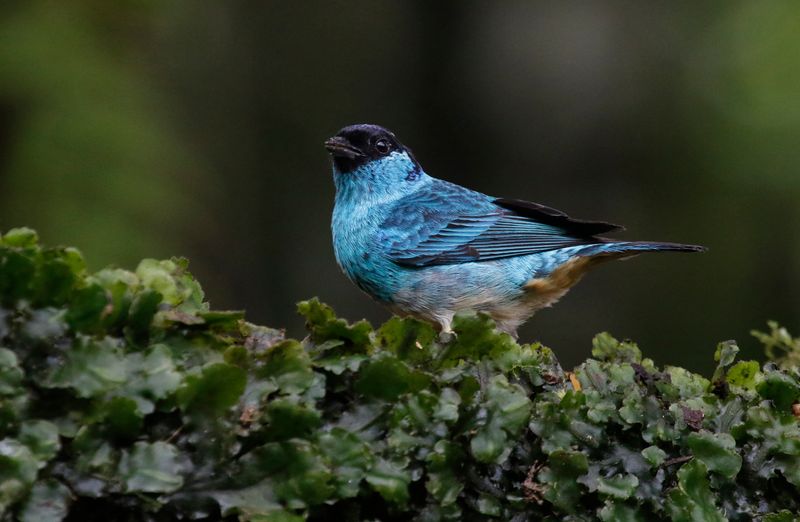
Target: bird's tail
<point>549,288</point>
<point>616,249</point>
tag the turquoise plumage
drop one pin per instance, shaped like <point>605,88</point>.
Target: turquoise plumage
<point>429,248</point>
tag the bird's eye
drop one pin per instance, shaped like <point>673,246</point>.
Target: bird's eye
<point>383,146</point>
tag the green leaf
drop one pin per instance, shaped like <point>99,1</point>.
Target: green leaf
<point>151,468</point>
<point>445,479</point>
<point>779,388</point>
<point>779,432</point>
<point>390,481</point>
<point>349,459</point>
<point>157,277</point>
<point>213,390</point>
<point>325,326</point>
<point>299,470</point>
<point>619,486</point>
<point>42,438</point>
<point>725,355</point>
<point>476,337</point>
<point>260,339</point>
<point>563,488</point>
<point>616,511</point>
<point>222,318</point>
<point>278,516</point>
<point>551,424</point>
<point>287,364</point>
<point>409,339</point>
<point>95,456</point>
<point>4,326</point>
<point>179,317</point>
<point>692,499</point>
<point>744,374</point>
<point>447,407</point>
<point>18,470</point>
<point>118,285</point>
<point>508,403</point>
<point>683,384</point>
<point>237,356</point>
<point>17,270</point>
<point>530,362</point>
<point>489,506</point>
<point>250,502</point>
<point>48,501</point>
<point>789,466</point>
<point>172,280</point>
<point>87,308</point>
<point>10,373</point>
<point>152,376</point>
<point>123,418</point>
<point>338,364</point>
<point>717,451</point>
<point>55,278</point>
<point>44,326</point>
<point>142,311</point>
<point>489,445</point>
<point>22,237</point>
<point>92,367</point>
<point>387,378</point>
<point>654,455</point>
<point>288,420</point>
<point>508,410</point>
<point>780,346</point>
<point>606,348</point>
<point>782,516</point>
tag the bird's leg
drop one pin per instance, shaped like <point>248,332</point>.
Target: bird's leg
<point>446,333</point>
<point>447,337</point>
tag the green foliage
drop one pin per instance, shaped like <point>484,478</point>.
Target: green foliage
<point>122,396</point>
<point>780,346</point>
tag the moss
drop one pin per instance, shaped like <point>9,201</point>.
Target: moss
<point>123,396</point>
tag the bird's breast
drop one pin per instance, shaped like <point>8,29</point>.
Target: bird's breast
<point>358,246</point>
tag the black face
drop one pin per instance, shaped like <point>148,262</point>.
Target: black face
<point>356,145</point>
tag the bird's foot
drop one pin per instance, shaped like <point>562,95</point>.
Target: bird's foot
<point>447,336</point>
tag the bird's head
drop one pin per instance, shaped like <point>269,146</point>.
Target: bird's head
<point>366,148</point>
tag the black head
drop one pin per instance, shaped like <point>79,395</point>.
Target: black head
<point>356,145</point>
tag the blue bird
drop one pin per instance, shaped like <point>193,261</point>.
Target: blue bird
<point>428,248</point>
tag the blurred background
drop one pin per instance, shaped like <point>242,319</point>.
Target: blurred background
<point>152,128</point>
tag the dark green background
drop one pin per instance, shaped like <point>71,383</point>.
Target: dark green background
<point>148,128</point>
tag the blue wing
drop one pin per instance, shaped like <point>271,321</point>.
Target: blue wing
<point>447,224</point>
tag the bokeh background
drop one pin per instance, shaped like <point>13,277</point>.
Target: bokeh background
<point>151,128</point>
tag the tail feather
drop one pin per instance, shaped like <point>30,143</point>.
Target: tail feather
<point>548,288</point>
<point>635,247</point>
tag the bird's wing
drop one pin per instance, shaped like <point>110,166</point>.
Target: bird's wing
<point>450,224</point>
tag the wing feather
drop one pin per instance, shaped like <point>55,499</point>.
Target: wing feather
<point>450,225</point>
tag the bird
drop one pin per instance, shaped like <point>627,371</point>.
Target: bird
<point>428,248</point>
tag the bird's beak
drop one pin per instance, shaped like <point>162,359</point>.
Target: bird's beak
<point>341,148</point>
